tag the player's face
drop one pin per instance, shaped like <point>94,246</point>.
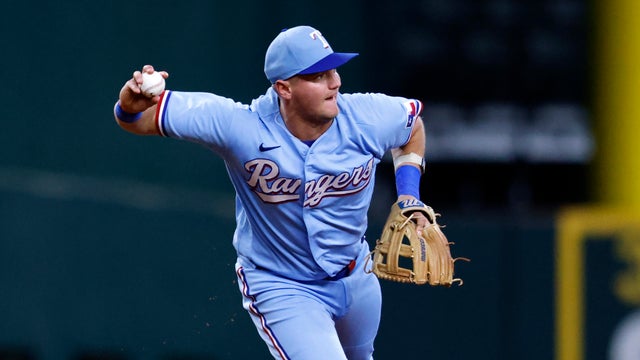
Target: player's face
<point>316,95</point>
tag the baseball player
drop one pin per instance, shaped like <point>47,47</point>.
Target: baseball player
<point>302,159</point>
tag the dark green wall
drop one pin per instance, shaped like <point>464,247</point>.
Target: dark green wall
<point>117,244</point>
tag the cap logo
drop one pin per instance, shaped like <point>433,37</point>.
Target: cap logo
<point>317,35</point>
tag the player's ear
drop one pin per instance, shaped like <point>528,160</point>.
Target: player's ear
<point>283,88</point>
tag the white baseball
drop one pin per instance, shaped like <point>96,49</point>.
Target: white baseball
<point>152,84</point>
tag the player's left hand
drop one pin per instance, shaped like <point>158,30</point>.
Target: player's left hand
<point>419,218</point>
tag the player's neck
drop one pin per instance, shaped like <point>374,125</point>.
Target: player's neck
<point>304,127</point>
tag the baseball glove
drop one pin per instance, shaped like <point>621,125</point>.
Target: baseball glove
<point>401,255</point>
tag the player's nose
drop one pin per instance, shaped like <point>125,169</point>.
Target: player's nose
<point>334,80</point>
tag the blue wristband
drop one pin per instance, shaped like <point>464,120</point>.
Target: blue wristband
<point>126,116</point>
<point>408,181</point>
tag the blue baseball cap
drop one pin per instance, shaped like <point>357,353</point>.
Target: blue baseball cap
<point>301,50</point>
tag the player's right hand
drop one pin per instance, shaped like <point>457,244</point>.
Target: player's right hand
<point>131,98</point>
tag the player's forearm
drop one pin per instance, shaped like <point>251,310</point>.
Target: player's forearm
<point>144,125</point>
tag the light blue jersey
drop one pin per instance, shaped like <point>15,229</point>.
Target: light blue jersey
<point>301,210</point>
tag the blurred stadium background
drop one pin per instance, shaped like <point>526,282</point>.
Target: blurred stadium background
<point>119,247</point>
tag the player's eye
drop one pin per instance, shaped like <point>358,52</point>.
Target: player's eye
<point>320,76</point>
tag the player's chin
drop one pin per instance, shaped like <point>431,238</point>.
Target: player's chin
<point>331,109</point>
<point>331,114</point>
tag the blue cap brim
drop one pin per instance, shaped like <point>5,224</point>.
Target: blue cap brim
<point>329,62</point>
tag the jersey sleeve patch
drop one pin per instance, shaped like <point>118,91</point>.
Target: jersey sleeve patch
<point>414,108</point>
